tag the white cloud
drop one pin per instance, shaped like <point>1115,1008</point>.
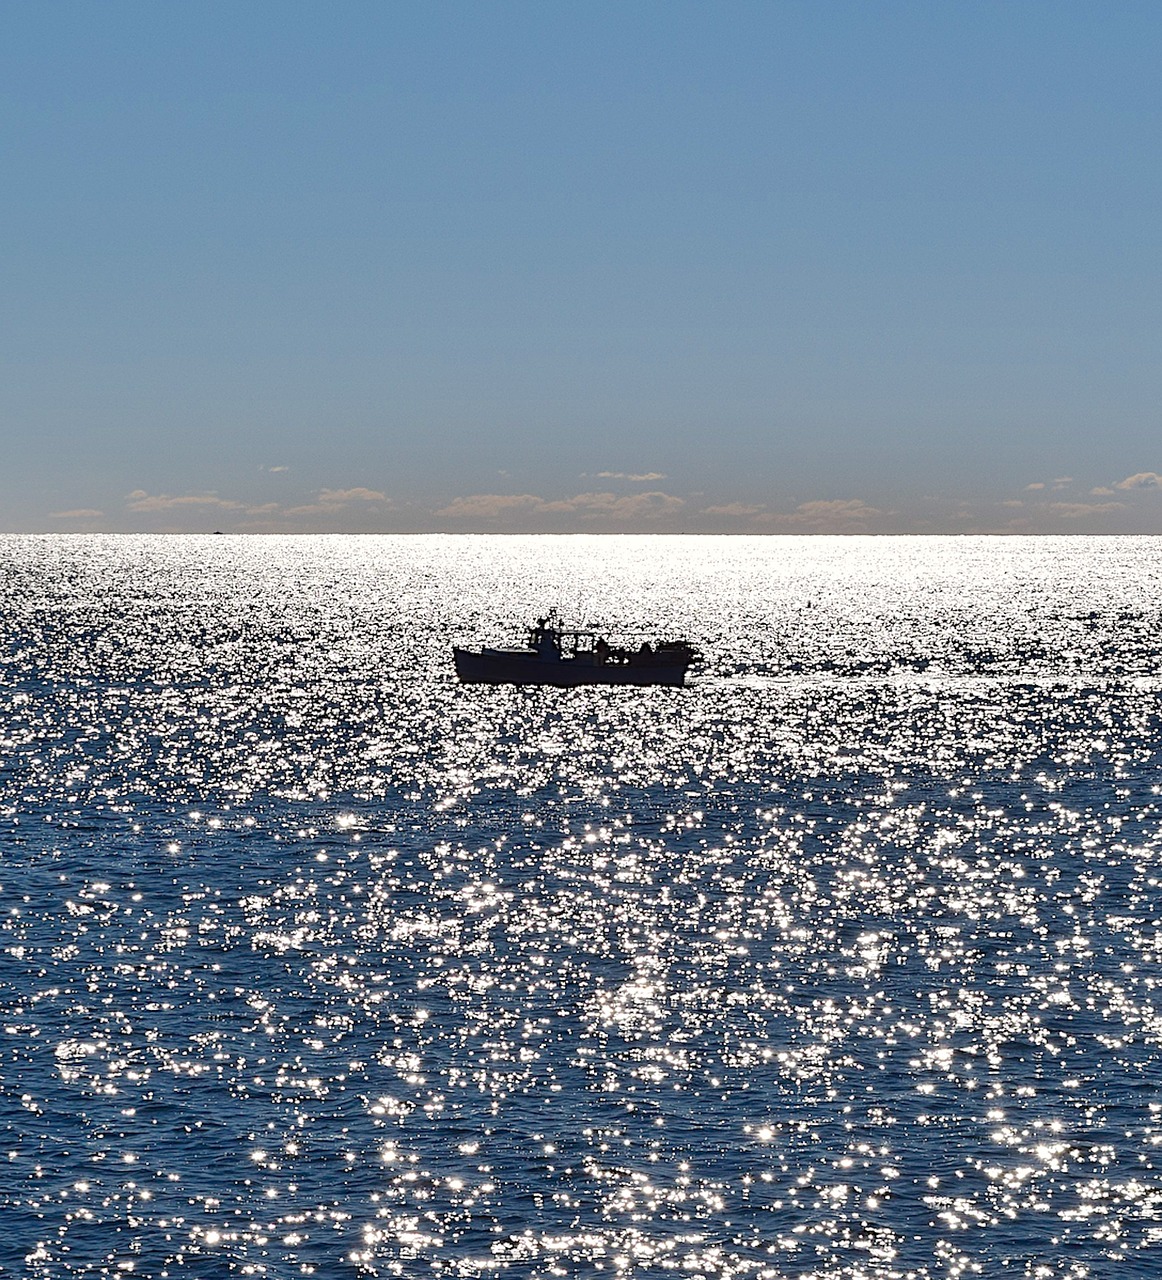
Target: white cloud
<point>344,497</point>
<point>840,515</point>
<point>330,501</point>
<point>1140,480</point>
<point>737,510</point>
<point>1076,517</point>
<point>643,478</point>
<point>327,503</point>
<point>608,505</point>
<point>592,507</point>
<point>139,500</point>
<point>79,513</point>
<point>491,506</point>
<point>1083,510</point>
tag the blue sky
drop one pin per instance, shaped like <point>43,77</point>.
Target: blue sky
<point>774,266</point>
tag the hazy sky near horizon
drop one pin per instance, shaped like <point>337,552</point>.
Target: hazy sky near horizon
<point>788,266</point>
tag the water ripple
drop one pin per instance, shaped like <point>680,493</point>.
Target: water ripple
<point>840,963</point>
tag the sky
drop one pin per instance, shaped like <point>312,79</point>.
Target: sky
<point>856,266</point>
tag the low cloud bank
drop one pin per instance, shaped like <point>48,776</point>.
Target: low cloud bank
<point>1062,504</point>
<point>605,507</point>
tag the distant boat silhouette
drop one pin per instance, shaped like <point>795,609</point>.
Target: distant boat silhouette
<point>558,656</point>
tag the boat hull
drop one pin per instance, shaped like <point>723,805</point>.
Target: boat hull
<point>499,667</point>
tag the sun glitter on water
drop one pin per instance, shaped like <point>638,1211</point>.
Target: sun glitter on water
<point>840,962</point>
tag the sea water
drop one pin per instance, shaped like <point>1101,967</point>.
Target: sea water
<point>841,962</point>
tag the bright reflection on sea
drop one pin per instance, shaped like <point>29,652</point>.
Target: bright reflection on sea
<point>842,962</point>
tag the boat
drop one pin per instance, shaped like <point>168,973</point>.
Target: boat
<point>556,655</point>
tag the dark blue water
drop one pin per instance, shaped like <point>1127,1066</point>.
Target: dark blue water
<point>842,962</point>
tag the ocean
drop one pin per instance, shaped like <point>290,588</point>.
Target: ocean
<point>842,961</point>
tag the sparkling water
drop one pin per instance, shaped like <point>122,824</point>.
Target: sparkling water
<point>841,962</point>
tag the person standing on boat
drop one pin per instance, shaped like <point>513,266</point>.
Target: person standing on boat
<point>545,641</point>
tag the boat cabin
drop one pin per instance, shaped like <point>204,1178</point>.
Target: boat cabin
<point>553,643</point>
